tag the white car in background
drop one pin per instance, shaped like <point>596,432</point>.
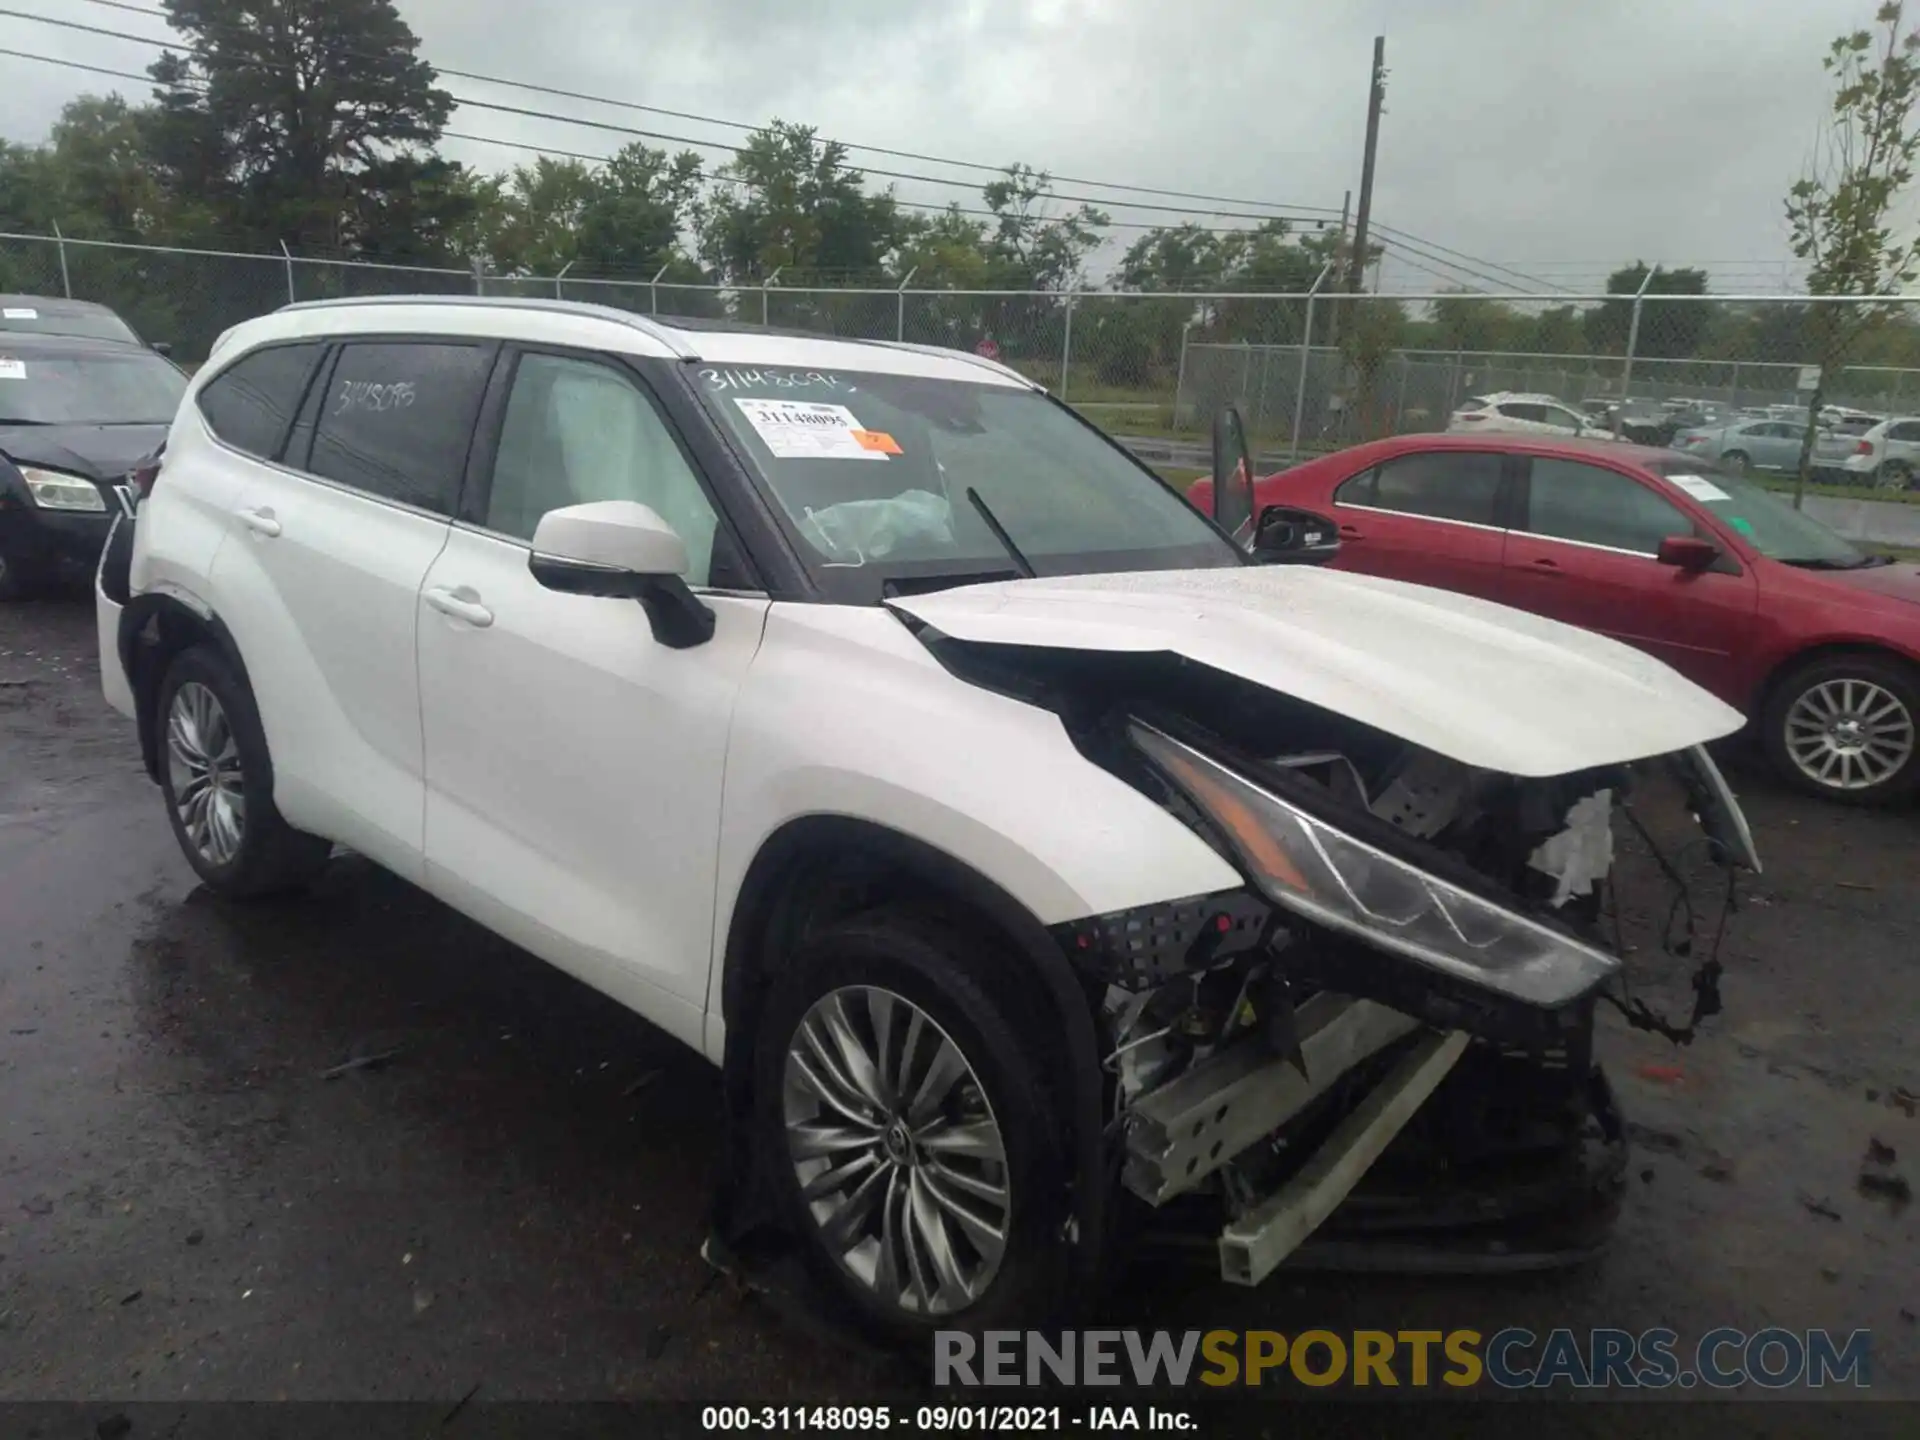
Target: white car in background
<point>1507,412</point>
<point>1887,456</point>
<point>1022,845</point>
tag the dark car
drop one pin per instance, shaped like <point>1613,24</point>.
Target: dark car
<point>48,315</point>
<point>75,416</point>
<point>1816,641</point>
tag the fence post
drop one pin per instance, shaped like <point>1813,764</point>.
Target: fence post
<point>1066,348</point>
<point>1736,385</point>
<point>558,278</point>
<point>1180,377</point>
<point>765,286</point>
<point>900,295</point>
<point>1400,400</point>
<point>479,275</point>
<point>1306,358</point>
<point>1453,381</point>
<point>287,255</point>
<point>653,290</point>
<point>66,280</point>
<point>1633,340</point>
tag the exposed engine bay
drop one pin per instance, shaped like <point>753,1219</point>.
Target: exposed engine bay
<point>1379,1053</point>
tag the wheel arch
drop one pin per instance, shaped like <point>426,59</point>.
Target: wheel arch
<point>1784,668</point>
<point>817,869</point>
<point>153,630</point>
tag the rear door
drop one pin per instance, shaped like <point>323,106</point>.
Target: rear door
<point>1431,517</point>
<point>320,580</point>
<point>1583,550</point>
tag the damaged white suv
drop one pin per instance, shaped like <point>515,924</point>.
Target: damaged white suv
<point>1035,857</point>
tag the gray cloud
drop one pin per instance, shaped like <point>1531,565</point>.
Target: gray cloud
<point>1562,138</point>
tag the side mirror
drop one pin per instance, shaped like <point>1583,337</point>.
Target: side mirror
<point>1232,475</point>
<point>1687,552</point>
<point>622,550</point>
<point>162,348</point>
<point>1286,536</point>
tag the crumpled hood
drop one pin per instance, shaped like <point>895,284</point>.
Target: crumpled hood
<point>98,452</point>
<point>1478,682</point>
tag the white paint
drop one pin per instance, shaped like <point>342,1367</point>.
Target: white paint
<point>20,312</point>
<point>1481,683</point>
<point>13,369</point>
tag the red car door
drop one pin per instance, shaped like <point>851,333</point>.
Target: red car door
<point>1432,517</point>
<point>1585,553</point>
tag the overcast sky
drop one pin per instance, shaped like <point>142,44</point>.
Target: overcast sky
<point>1557,137</point>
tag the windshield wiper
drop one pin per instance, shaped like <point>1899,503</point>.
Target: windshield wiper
<point>1000,534</point>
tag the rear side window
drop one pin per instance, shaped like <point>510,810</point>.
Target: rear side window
<point>397,418</point>
<point>250,404</point>
<point>1519,410</point>
<point>1905,430</point>
<point>1441,485</point>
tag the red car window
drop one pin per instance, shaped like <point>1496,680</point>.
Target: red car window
<point>1571,501</point>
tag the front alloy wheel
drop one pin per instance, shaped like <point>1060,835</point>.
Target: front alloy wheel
<point>896,1149</point>
<point>1850,734</point>
<point>205,777</point>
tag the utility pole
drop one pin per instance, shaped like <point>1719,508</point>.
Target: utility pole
<point>1375,99</point>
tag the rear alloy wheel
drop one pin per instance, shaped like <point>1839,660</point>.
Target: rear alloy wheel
<point>1736,461</point>
<point>908,1129</point>
<point>216,776</point>
<point>1848,729</point>
<point>1894,475</point>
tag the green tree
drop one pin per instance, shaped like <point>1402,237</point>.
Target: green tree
<point>1841,212</point>
<point>790,201</point>
<point>1667,332</point>
<point>307,121</point>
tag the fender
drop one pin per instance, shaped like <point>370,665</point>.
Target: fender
<point>176,624</point>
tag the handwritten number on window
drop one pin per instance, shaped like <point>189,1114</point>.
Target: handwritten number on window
<point>373,395</point>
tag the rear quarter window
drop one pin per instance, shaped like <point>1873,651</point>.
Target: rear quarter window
<point>250,404</point>
<point>397,419</point>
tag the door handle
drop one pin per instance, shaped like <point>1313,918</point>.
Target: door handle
<point>462,604</point>
<point>1546,569</point>
<point>261,521</point>
<point>1350,532</point>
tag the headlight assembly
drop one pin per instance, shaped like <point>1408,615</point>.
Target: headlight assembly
<point>51,490</point>
<point>1315,870</point>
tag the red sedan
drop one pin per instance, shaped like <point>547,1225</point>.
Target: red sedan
<point>1814,640</point>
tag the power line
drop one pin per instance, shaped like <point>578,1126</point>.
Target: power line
<point>609,126</point>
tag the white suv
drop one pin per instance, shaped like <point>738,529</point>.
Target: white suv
<point>1886,456</point>
<point>709,666</point>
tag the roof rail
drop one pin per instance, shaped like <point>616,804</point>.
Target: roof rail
<point>673,339</point>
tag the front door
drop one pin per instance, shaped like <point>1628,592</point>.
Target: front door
<point>1586,552</point>
<point>574,763</point>
<point>1432,517</point>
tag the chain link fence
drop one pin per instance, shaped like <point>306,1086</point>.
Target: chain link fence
<point>1310,372</point>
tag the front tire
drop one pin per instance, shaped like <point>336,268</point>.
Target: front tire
<point>912,1144</point>
<point>1847,728</point>
<point>216,776</point>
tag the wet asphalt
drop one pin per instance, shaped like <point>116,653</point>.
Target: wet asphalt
<point>197,1202</point>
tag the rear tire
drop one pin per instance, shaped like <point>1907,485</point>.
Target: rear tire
<point>893,1091</point>
<point>1893,475</point>
<point>1847,728</point>
<point>217,778</point>
<point>1736,461</point>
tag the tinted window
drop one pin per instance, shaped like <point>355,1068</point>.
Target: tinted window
<point>250,403</point>
<point>1515,411</point>
<point>577,431</point>
<point>1445,485</point>
<point>1571,501</point>
<point>397,417</point>
<point>1906,430</point>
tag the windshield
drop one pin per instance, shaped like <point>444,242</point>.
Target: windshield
<point>873,473</point>
<point>133,389</point>
<point>89,324</point>
<point>1770,525</point>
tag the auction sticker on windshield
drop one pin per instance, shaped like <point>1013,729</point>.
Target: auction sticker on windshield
<point>1700,488</point>
<point>20,312</point>
<point>807,430</point>
<point>13,369</point>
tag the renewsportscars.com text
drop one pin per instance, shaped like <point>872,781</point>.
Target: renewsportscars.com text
<point>1511,1359</point>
